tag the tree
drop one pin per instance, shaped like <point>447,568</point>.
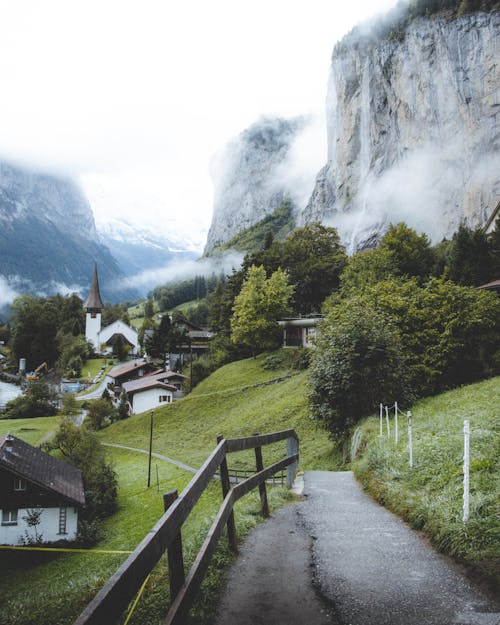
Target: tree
<point>39,400</point>
<point>470,259</point>
<point>148,309</point>
<point>410,253</point>
<point>120,348</point>
<point>260,303</point>
<point>494,243</point>
<point>358,363</point>
<point>81,448</point>
<point>99,412</point>
<point>366,268</point>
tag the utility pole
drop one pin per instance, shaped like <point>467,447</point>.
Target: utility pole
<point>150,447</point>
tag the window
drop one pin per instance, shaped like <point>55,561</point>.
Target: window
<point>63,515</point>
<point>19,484</point>
<point>164,398</point>
<point>9,517</point>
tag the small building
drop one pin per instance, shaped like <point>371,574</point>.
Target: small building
<point>300,331</point>
<point>170,377</point>
<point>148,393</point>
<point>491,286</point>
<point>34,483</point>
<point>103,339</point>
<point>132,370</point>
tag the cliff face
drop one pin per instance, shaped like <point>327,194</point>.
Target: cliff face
<point>48,239</point>
<point>413,130</point>
<point>249,180</point>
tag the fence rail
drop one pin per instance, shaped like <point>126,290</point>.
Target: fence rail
<point>120,589</point>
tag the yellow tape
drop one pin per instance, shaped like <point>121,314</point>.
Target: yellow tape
<point>60,549</point>
<point>136,600</point>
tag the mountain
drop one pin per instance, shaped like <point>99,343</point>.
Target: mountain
<point>48,239</point>
<point>412,132</point>
<point>139,249</point>
<point>249,177</point>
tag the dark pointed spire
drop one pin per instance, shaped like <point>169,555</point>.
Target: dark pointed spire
<point>94,301</point>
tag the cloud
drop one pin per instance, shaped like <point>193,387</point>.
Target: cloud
<point>177,271</point>
<point>7,293</point>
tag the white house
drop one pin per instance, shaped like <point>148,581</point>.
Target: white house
<point>103,338</point>
<point>148,393</point>
<point>33,484</point>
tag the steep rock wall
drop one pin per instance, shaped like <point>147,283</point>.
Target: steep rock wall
<point>413,130</point>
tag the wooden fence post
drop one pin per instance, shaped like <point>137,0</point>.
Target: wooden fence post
<point>224,479</point>
<point>466,470</point>
<point>291,449</point>
<point>175,557</point>
<point>262,487</point>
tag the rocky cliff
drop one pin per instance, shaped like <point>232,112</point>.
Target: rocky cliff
<point>48,239</point>
<point>249,179</point>
<point>413,129</point>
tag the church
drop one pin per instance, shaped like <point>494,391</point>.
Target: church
<point>103,339</point>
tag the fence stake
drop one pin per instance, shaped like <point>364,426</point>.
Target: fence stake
<point>387,422</point>
<point>262,487</point>
<point>410,442</point>
<point>396,432</point>
<point>291,448</point>
<point>466,470</point>
<point>381,420</point>
<point>175,558</point>
<point>224,480</point>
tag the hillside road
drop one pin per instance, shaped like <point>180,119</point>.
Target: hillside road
<point>338,557</point>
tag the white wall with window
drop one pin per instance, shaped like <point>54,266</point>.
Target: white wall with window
<point>150,398</point>
<point>55,524</point>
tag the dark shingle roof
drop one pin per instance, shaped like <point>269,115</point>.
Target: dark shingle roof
<point>145,383</point>
<point>94,300</point>
<point>40,468</point>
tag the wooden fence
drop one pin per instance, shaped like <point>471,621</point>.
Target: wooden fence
<point>120,589</point>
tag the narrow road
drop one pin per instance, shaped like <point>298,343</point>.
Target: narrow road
<point>338,557</point>
<point>177,463</point>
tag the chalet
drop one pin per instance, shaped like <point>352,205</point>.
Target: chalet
<point>128,371</point>
<point>148,393</point>
<point>299,331</point>
<point>33,481</point>
<point>170,377</point>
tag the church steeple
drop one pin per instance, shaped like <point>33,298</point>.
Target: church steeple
<point>93,307</point>
<point>94,301</point>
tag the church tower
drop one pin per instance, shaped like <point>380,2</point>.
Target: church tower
<point>93,307</point>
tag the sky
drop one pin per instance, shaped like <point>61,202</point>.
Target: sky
<point>133,98</point>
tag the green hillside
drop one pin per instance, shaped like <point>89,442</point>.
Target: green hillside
<point>53,589</point>
<point>430,495</point>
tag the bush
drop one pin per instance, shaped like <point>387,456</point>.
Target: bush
<point>358,363</point>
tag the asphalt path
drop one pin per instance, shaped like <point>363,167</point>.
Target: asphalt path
<point>338,557</point>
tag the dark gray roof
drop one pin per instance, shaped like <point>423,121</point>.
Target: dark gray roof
<point>128,367</point>
<point>94,299</point>
<point>145,383</point>
<point>36,466</point>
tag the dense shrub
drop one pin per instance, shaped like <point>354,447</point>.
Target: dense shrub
<point>359,362</point>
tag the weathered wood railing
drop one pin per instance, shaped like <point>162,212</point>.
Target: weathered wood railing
<point>111,601</point>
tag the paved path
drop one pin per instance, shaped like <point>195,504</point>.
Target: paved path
<point>177,463</point>
<point>365,563</point>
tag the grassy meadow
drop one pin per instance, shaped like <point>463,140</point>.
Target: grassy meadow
<point>53,588</point>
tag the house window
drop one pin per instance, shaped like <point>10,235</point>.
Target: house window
<point>19,484</point>
<point>165,398</point>
<point>63,515</point>
<point>9,517</point>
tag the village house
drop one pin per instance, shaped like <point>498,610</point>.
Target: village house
<point>35,486</point>
<point>299,331</point>
<point>148,393</point>
<point>128,371</point>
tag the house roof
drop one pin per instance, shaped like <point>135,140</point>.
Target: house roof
<point>94,299</point>
<point>120,370</point>
<point>162,375</point>
<point>145,383</point>
<point>36,466</point>
<point>492,286</point>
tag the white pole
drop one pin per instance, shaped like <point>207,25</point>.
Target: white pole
<point>387,421</point>
<point>466,470</point>
<point>410,442</point>
<point>381,420</point>
<point>396,433</point>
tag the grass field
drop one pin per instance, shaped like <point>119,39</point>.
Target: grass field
<point>33,431</point>
<point>430,495</point>
<point>53,589</point>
